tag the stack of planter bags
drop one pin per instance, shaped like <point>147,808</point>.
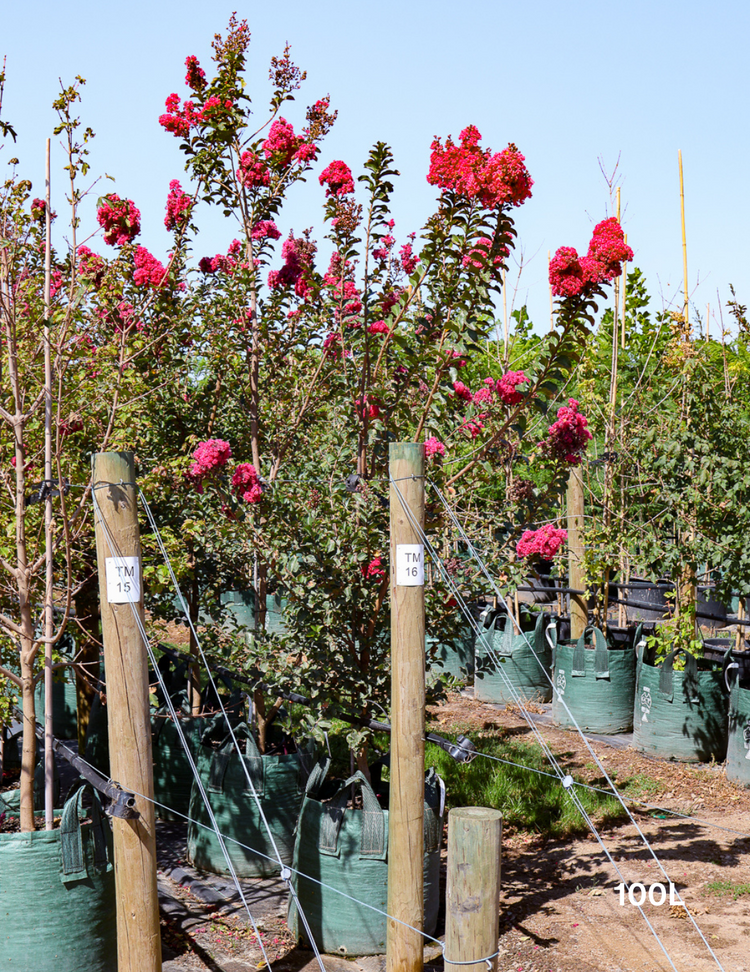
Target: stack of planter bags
<point>683,708</point>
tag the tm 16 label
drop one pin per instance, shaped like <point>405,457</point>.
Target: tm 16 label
<point>409,565</point>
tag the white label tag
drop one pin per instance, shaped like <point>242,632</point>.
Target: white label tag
<point>123,580</point>
<point>409,565</point>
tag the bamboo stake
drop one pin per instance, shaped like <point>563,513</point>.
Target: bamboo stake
<point>49,756</point>
<point>624,293</point>
<point>576,575</point>
<point>505,323</point>
<point>405,947</point>
<point>551,299</point>
<point>684,238</point>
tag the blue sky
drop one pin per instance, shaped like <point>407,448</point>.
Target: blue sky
<point>570,84</point>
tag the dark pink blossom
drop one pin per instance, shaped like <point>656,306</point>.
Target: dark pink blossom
<point>265,229</point>
<point>338,179</point>
<point>246,484</point>
<point>468,170</point>
<point>378,327</point>
<point>252,171</point>
<point>195,77</point>
<point>119,218</point>
<point>433,447</point>
<point>461,391</point>
<point>148,271</point>
<point>91,266</point>
<point>506,387</point>
<point>282,143</point>
<point>373,569</point>
<point>179,204</point>
<point>210,455</point>
<point>544,542</point>
<point>569,436</point>
<point>409,260</point>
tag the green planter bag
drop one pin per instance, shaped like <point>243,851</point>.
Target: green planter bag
<point>738,746</point>
<point>57,895</point>
<point>279,783</point>
<point>680,715</point>
<point>526,675</point>
<point>596,686</point>
<point>347,849</point>
<point>454,657</point>
<point>173,775</point>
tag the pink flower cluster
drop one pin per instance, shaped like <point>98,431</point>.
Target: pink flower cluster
<point>461,391</point>
<point>571,275</point>
<point>337,177</point>
<point>246,484</point>
<point>409,260</point>
<point>148,271</point>
<point>297,253</point>
<point>222,262</point>
<point>373,569</point>
<point>282,146</point>
<point>91,266</point>
<point>179,204</point>
<point>180,119</point>
<point>433,447</point>
<point>265,229</point>
<point>544,542</point>
<point>210,455</point>
<point>478,256</point>
<point>506,387</point>
<point>119,218</point>
<point>252,171</point>
<point>378,327</point>
<point>195,77</point>
<point>569,436</point>
<point>39,211</point>
<point>468,170</point>
<point>339,276</point>
<point>368,407</point>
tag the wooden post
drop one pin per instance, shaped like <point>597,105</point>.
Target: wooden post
<point>405,948</point>
<point>118,551</point>
<point>473,888</point>
<point>578,607</point>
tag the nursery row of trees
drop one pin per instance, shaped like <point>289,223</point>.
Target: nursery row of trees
<point>260,387</point>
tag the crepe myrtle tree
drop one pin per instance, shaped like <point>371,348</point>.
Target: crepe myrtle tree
<point>314,368</point>
<point>109,319</point>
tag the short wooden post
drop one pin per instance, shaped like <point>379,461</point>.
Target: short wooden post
<point>578,607</point>
<point>405,948</point>
<point>118,551</point>
<point>473,888</point>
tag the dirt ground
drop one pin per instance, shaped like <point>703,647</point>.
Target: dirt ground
<point>559,910</point>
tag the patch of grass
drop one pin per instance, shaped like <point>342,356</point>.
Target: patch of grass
<point>639,785</point>
<point>528,801</point>
<point>721,888</point>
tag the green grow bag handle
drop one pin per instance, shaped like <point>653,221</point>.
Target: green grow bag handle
<point>74,866</point>
<point>601,656</point>
<point>666,675</point>
<point>220,762</point>
<point>160,716</point>
<point>372,841</point>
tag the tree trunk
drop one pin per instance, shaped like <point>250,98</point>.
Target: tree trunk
<point>28,754</point>
<point>87,612</point>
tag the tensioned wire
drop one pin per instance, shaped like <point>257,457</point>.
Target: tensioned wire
<point>615,792</point>
<point>285,870</point>
<point>285,873</point>
<point>565,779</point>
<point>112,544</point>
<point>307,877</point>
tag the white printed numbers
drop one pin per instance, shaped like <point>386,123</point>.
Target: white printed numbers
<point>409,565</point>
<point>657,894</point>
<point>123,580</point>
